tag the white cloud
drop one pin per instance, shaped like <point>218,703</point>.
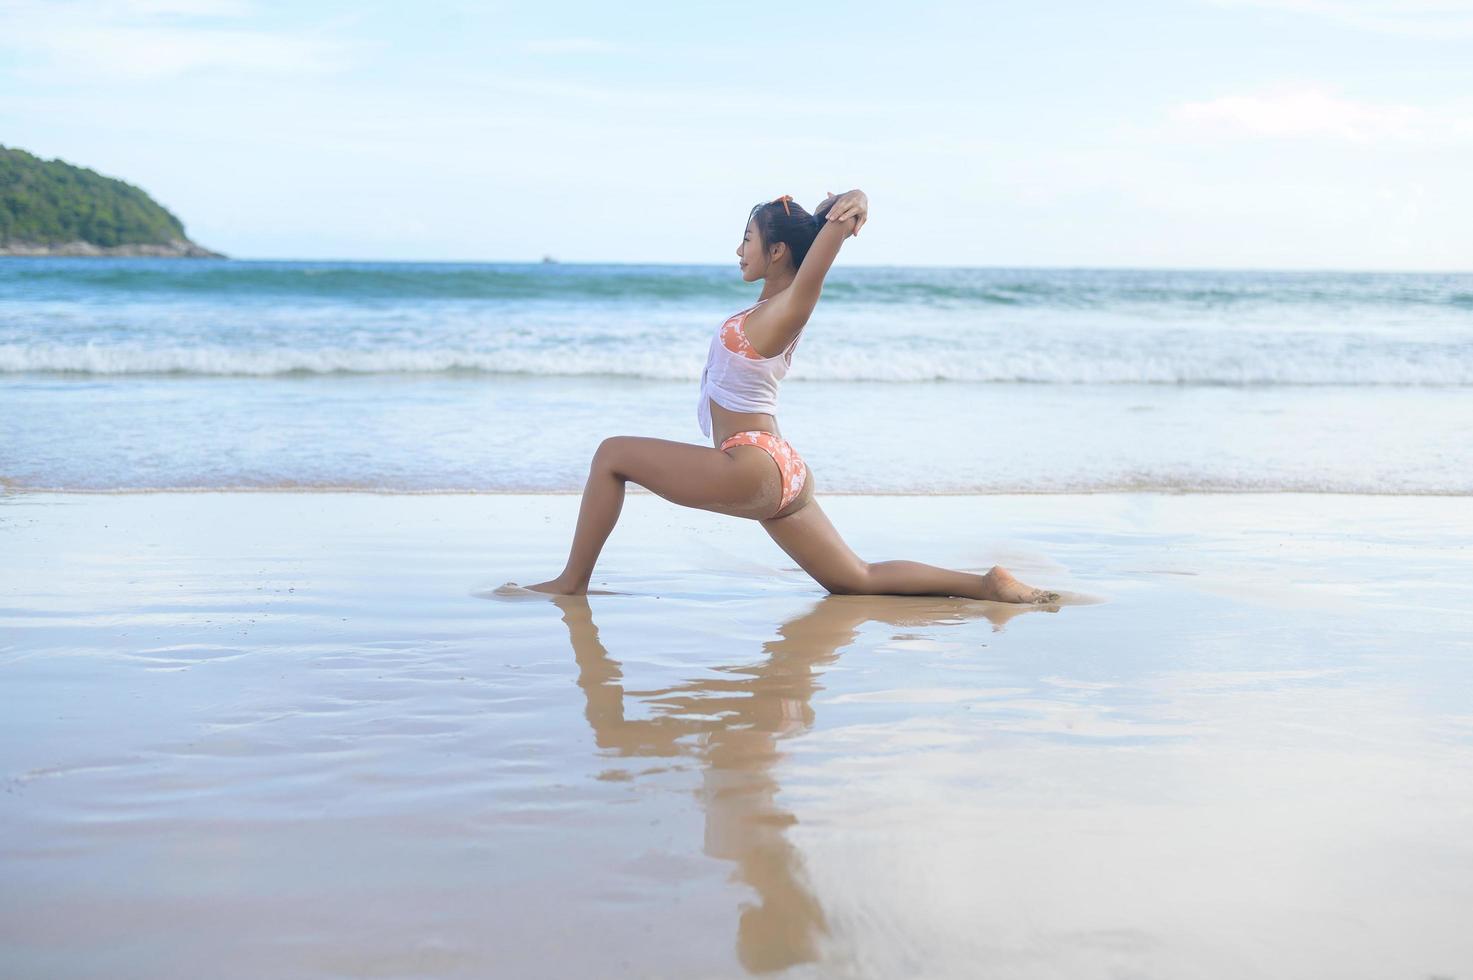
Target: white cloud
<point>134,40</point>
<point>1432,19</point>
<point>570,45</point>
<point>1316,113</point>
<point>145,53</point>
<point>182,8</point>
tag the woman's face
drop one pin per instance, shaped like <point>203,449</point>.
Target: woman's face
<point>750,254</point>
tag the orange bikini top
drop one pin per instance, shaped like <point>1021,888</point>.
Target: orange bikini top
<point>734,339</point>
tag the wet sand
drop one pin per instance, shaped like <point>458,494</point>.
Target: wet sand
<point>300,735</point>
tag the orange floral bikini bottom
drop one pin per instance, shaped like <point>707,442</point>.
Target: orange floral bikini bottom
<point>789,463</point>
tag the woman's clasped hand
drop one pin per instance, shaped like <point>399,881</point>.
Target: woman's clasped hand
<point>850,204</point>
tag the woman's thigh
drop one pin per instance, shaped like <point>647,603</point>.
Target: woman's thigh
<point>741,482</point>
<point>807,536</point>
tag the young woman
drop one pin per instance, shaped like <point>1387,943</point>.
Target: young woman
<point>790,251</point>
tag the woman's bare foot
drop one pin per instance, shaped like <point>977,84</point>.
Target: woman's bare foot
<point>557,586</point>
<point>1002,587</point>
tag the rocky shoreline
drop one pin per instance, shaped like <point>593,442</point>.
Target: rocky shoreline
<point>177,249</point>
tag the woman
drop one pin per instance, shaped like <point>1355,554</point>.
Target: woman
<point>790,251</point>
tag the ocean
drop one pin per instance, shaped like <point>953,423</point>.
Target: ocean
<point>135,374</point>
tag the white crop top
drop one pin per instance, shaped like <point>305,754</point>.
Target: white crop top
<point>737,381</point>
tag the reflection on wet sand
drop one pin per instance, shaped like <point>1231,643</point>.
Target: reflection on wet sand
<point>732,724</point>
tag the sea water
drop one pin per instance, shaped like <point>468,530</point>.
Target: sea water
<point>137,373</point>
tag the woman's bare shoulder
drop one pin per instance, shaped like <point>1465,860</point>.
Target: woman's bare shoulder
<point>773,325</point>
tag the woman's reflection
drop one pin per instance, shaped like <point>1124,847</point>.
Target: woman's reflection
<point>732,723</point>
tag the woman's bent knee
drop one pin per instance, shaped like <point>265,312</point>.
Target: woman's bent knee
<point>608,454</point>
<point>852,582</point>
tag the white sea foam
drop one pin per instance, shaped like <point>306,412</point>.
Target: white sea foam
<point>831,361</point>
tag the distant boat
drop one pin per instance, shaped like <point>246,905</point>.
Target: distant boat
<point>548,260</point>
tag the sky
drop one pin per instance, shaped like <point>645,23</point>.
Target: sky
<point>1298,134</point>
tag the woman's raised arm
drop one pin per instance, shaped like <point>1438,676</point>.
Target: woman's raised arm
<point>842,216</point>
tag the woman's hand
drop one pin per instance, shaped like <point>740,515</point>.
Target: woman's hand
<point>852,204</point>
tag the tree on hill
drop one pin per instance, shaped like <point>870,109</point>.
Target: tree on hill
<point>51,202</point>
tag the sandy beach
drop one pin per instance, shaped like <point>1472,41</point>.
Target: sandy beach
<point>300,735</point>
<point>1168,311</point>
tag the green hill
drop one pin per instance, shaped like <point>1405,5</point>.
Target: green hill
<point>49,207</point>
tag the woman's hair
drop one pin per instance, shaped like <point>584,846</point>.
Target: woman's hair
<point>787,222</point>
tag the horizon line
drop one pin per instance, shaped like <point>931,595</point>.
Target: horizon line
<point>1378,270</point>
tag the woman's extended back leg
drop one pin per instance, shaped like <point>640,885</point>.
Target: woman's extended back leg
<point>807,536</point>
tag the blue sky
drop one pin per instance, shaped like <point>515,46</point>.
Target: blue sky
<point>1219,133</point>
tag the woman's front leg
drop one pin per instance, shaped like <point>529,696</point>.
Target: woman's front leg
<point>603,499</point>
<point>692,476</point>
